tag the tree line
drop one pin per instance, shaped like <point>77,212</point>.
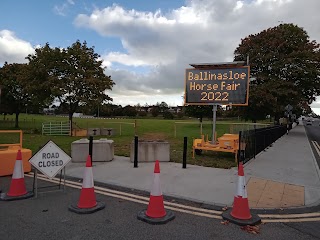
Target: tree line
<point>284,68</point>
<point>158,110</point>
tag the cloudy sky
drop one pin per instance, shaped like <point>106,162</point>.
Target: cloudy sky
<point>147,45</point>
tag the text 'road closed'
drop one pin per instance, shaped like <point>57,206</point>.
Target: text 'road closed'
<point>50,160</point>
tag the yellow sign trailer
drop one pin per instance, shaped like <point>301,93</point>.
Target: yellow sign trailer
<point>226,143</point>
<point>218,84</point>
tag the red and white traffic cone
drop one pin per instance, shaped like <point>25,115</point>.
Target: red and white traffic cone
<point>240,213</point>
<point>156,206</point>
<point>87,202</point>
<point>240,208</point>
<point>17,188</point>
<point>155,213</point>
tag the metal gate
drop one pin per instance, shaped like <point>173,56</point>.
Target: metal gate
<point>56,128</point>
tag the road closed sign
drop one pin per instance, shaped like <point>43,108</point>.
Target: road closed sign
<point>50,159</point>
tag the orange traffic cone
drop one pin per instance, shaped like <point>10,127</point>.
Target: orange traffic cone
<point>155,213</point>
<point>240,208</point>
<point>87,202</point>
<point>240,213</point>
<point>17,188</point>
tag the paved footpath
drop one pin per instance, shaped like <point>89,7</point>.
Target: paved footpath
<point>287,173</point>
<point>276,178</point>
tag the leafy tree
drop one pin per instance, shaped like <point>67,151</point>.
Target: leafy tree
<point>138,107</point>
<point>142,114</point>
<point>180,114</point>
<point>284,65</point>
<point>14,93</point>
<point>168,115</point>
<point>117,110</point>
<point>74,75</point>
<point>201,111</point>
<point>129,111</point>
<point>163,106</point>
<point>146,107</point>
<point>155,111</point>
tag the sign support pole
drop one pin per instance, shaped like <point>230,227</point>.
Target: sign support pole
<point>62,174</point>
<point>64,179</point>
<point>214,119</point>
<point>36,182</point>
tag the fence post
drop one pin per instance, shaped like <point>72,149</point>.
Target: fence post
<point>255,142</point>
<point>135,161</point>
<point>90,147</point>
<point>239,148</point>
<point>135,127</point>
<point>274,135</point>
<point>185,145</point>
<point>21,138</point>
<point>264,142</point>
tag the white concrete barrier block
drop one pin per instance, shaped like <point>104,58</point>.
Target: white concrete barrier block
<point>150,151</point>
<point>102,150</point>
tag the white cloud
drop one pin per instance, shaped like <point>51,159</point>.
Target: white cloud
<point>124,59</point>
<point>201,31</point>
<point>13,49</point>
<point>63,8</point>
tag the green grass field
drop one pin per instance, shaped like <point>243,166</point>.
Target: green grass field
<point>148,129</point>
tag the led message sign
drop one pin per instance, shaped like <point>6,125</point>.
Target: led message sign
<point>225,86</point>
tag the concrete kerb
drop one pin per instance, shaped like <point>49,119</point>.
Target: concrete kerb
<point>205,205</point>
<point>167,197</point>
<point>254,220</point>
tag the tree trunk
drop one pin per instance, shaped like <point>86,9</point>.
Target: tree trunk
<point>16,125</point>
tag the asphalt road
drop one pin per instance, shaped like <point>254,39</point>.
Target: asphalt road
<point>313,133</point>
<point>47,217</point>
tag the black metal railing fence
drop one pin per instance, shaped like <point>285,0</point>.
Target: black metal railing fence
<point>252,142</point>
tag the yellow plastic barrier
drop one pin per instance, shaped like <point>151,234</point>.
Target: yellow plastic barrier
<point>8,155</point>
